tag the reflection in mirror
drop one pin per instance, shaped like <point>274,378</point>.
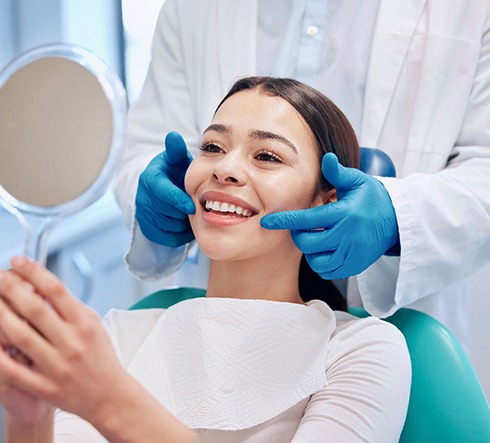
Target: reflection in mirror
<point>62,123</point>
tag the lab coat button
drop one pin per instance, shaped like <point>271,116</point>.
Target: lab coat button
<point>312,30</point>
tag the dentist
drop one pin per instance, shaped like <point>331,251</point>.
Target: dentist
<point>413,77</point>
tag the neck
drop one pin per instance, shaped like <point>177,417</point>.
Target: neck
<point>264,278</point>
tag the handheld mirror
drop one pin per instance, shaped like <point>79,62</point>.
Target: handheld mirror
<point>62,124</point>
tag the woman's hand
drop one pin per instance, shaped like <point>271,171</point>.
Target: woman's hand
<point>21,407</point>
<point>73,365</point>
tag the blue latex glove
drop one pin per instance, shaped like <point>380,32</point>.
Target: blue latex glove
<point>343,238</point>
<point>162,206</point>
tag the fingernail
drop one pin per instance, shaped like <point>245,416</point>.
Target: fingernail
<point>18,261</point>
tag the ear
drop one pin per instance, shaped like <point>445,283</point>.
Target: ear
<point>326,197</point>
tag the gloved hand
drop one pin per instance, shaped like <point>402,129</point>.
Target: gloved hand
<point>343,238</point>
<point>162,206</point>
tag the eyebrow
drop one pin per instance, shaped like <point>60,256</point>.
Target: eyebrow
<point>254,134</point>
<point>266,135</point>
<point>218,128</point>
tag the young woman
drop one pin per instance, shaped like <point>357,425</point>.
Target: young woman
<point>261,358</point>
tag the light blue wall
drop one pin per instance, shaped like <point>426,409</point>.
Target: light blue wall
<point>93,24</point>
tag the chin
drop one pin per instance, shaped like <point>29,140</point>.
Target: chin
<point>219,249</point>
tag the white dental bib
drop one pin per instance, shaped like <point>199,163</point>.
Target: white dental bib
<point>231,364</point>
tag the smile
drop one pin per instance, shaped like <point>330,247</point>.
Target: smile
<point>217,206</point>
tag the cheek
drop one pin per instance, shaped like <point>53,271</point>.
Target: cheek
<point>192,177</point>
<point>293,193</point>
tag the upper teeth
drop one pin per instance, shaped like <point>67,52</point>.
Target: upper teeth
<point>227,207</point>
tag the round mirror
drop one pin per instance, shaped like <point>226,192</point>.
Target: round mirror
<point>62,125</point>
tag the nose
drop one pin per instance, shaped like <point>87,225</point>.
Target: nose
<point>230,169</point>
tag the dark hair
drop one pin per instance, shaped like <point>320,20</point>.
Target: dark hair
<point>333,133</point>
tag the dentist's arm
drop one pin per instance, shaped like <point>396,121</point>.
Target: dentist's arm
<point>343,238</point>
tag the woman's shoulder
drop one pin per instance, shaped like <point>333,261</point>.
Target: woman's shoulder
<point>372,337</point>
<point>352,328</point>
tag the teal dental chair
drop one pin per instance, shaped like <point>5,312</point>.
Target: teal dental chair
<point>447,403</point>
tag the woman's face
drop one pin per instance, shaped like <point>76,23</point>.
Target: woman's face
<point>258,156</point>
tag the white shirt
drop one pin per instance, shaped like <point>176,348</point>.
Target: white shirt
<point>263,371</point>
<point>326,44</point>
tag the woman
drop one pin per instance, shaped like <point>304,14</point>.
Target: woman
<point>251,361</point>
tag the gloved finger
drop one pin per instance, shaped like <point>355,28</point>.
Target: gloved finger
<point>176,151</point>
<point>175,240</point>
<point>163,192</point>
<point>167,238</point>
<point>313,242</point>
<point>177,198</point>
<point>168,224</point>
<point>303,219</point>
<point>153,209</point>
<point>339,176</point>
<point>165,211</point>
<point>326,261</point>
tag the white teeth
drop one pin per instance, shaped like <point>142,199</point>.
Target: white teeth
<point>226,207</point>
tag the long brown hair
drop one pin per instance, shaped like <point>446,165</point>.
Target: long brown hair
<point>333,133</point>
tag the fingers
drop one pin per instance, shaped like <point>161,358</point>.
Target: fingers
<point>12,351</point>
<point>340,176</point>
<point>157,189</point>
<point>23,300</point>
<point>177,198</point>
<point>176,151</point>
<point>17,374</point>
<point>24,341</point>
<point>330,168</point>
<point>48,286</point>
<point>314,242</point>
<point>168,238</point>
<point>319,217</point>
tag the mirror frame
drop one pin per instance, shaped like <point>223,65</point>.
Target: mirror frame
<point>116,96</point>
<point>38,221</point>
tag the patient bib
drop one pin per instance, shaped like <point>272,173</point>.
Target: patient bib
<point>230,364</point>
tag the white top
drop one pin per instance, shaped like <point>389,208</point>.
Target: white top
<point>263,371</point>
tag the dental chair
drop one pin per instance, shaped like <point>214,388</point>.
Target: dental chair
<point>447,403</point>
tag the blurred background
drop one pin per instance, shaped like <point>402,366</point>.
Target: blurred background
<point>86,250</point>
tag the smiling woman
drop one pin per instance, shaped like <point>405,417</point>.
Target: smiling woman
<point>257,155</point>
<point>260,358</point>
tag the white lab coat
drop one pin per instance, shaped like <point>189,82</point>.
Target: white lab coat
<point>427,101</point>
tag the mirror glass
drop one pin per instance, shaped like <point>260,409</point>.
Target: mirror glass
<point>62,125</point>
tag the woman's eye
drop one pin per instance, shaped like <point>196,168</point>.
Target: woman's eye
<point>210,147</point>
<point>268,157</point>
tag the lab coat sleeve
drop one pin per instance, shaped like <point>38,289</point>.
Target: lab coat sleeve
<point>368,387</point>
<point>443,218</point>
<point>163,106</point>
